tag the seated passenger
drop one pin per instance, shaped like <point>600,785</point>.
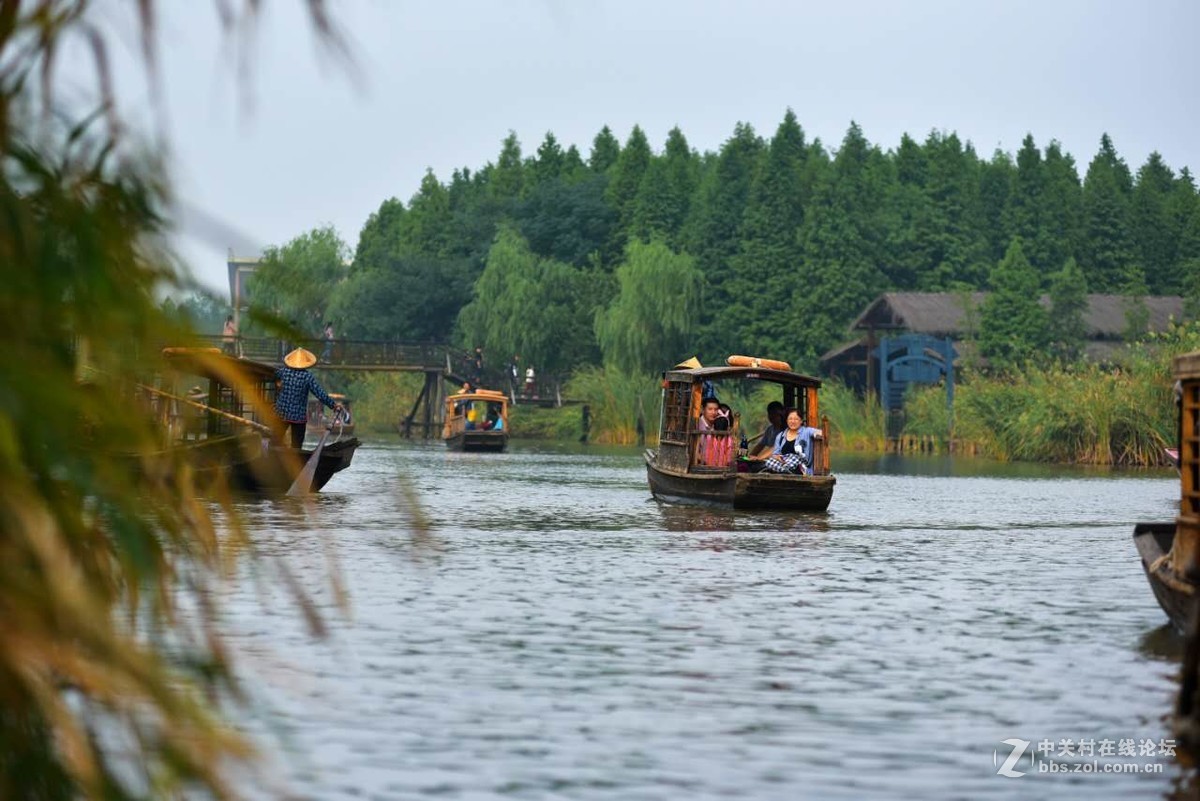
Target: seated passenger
<point>722,446</point>
<point>711,449</point>
<point>775,424</point>
<point>808,434</point>
<point>494,422</point>
<point>792,452</point>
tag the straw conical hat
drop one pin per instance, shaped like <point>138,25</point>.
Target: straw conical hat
<point>300,359</point>
<point>691,364</point>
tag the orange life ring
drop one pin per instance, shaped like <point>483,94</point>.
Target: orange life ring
<point>754,361</point>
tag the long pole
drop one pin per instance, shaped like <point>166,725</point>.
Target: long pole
<point>244,421</point>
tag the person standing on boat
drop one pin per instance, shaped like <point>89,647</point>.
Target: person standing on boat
<point>793,447</point>
<point>294,382</point>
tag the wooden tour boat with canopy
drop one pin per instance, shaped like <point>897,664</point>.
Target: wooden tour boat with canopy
<point>476,421</point>
<point>1170,552</point>
<point>227,425</point>
<point>695,466</point>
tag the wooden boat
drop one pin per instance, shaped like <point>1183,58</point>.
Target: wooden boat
<point>476,420</point>
<point>1170,552</point>
<point>225,426</point>
<point>694,466</point>
<point>1175,594</point>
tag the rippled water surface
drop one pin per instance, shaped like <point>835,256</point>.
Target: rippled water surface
<point>558,634</point>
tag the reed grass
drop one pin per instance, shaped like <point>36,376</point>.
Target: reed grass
<point>855,424</point>
<point>1083,414</point>
<point>617,400</point>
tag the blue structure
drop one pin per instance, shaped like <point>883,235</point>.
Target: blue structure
<point>914,359</point>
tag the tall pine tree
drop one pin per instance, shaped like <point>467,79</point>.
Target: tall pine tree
<point>623,188</point>
<point>842,237</point>
<point>711,232</point>
<point>1155,238</point>
<point>770,254</point>
<point>662,203</point>
<point>1061,209</point>
<point>958,250</point>
<point>605,151</point>
<point>1067,330</point>
<point>1013,327</point>
<point>1107,251</point>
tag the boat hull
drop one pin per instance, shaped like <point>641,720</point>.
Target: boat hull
<point>1175,594</point>
<point>739,490</point>
<point>485,441</point>
<point>247,466</point>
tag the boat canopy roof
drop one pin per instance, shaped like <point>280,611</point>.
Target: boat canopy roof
<point>493,395</point>
<point>1187,366</point>
<point>699,374</point>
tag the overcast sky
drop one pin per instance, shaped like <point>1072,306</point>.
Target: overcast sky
<point>438,85</point>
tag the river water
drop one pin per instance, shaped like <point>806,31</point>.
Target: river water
<point>533,625</point>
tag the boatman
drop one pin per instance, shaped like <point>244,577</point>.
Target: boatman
<point>294,382</point>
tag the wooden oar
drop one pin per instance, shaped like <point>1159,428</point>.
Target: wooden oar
<point>303,482</point>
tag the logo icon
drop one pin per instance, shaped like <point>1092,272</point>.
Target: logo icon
<point>1010,762</point>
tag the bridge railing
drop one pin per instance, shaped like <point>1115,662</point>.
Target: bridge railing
<point>339,352</point>
<point>348,354</point>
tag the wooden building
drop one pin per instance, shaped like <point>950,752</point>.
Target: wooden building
<point>954,317</point>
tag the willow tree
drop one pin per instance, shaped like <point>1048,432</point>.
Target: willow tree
<point>296,280</point>
<point>650,323</point>
<point>532,306</point>
<point>111,655</point>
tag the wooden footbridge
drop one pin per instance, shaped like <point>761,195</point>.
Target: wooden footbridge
<point>441,365</point>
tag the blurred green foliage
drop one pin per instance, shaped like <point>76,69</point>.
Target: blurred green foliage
<point>111,656</point>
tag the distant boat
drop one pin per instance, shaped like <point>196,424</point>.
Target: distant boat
<point>223,429</point>
<point>320,416</point>
<point>1170,551</point>
<point>705,467</point>
<point>476,421</point>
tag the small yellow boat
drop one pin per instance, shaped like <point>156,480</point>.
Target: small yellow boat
<point>476,421</point>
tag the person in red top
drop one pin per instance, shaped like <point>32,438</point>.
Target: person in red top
<point>711,447</point>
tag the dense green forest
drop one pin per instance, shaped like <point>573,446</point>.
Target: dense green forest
<point>632,258</point>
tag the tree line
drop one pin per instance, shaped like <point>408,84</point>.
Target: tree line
<point>632,258</point>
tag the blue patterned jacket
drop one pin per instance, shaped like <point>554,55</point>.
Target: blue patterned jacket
<point>291,403</point>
